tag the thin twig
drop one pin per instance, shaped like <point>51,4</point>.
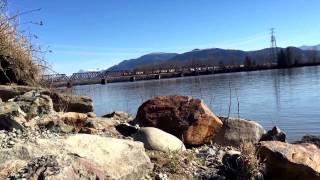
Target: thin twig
<point>238,102</point>
<point>229,100</point>
<point>211,100</point>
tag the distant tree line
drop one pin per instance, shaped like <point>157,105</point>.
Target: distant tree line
<point>248,62</point>
<point>284,58</point>
<point>289,57</point>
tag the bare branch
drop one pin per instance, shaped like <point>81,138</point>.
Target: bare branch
<point>238,102</point>
<point>230,98</point>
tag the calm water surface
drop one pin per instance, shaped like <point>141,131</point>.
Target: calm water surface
<point>288,98</point>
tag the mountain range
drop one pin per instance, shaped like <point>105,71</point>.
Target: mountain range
<point>213,56</point>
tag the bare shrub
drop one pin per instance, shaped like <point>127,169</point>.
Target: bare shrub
<point>173,163</point>
<point>253,167</point>
<point>244,166</point>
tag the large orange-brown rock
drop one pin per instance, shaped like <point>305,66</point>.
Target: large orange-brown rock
<point>187,118</point>
<point>290,161</point>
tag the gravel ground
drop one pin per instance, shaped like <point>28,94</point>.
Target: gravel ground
<point>9,138</point>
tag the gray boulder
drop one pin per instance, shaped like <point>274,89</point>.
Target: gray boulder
<point>236,131</point>
<point>70,103</point>
<point>9,92</point>
<point>118,159</point>
<point>61,102</point>
<point>290,161</point>
<point>156,139</point>
<point>34,104</point>
<point>79,156</point>
<point>11,116</point>
<point>275,134</point>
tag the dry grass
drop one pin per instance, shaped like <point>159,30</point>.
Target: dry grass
<point>174,164</point>
<point>22,54</point>
<point>253,166</point>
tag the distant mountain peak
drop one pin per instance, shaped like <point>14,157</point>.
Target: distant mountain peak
<point>145,60</point>
<point>206,49</point>
<point>157,53</point>
<point>307,47</point>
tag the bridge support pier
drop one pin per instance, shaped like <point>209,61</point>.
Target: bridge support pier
<point>69,84</point>
<point>103,81</point>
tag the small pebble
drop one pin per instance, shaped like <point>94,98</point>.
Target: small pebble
<point>211,151</point>
<point>161,176</point>
<point>11,143</point>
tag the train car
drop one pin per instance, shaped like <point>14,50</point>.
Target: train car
<point>164,71</point>
<point>172,70</point>
<point>139,72</point>
<point>156,71</point>
<point>125,74</point>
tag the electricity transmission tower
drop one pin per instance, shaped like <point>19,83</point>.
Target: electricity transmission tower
<point>273,47</point>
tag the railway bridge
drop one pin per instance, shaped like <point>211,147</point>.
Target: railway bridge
<point>104,77</point>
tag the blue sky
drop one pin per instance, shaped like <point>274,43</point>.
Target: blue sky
<point>100,33</point>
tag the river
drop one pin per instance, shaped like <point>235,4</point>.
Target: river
<point>288,98</point>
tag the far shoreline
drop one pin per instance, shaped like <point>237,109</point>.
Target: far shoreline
<point>192,74</point>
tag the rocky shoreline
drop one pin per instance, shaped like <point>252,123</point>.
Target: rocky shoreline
<point>48,135</point>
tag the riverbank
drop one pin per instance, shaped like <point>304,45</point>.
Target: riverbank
<point>172,137</point>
